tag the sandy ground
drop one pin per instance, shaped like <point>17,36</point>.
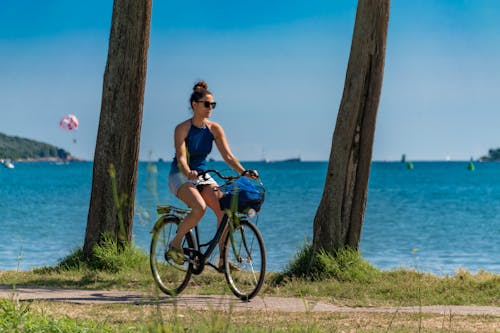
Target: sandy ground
<point>225,302</point>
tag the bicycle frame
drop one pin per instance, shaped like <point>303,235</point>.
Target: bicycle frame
<point>197,257</point>
<point>212,244</point>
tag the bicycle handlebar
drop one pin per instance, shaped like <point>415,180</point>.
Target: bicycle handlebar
<point>203,173</point>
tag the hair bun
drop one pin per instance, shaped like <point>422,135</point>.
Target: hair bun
<point>200,85</point>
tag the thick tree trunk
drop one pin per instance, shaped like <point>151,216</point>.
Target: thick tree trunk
<point>120,123</point>
<point>339,217</point>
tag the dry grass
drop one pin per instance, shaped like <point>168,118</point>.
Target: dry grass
<point>130,315</point>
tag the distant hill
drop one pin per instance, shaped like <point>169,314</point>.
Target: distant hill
<point>493,155</point>
<point>15,148</point>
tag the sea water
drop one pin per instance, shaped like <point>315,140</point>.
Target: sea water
<point>437,217</point>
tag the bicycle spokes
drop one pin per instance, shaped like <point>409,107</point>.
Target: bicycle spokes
<point>171,278</point>
<point>245,261</point>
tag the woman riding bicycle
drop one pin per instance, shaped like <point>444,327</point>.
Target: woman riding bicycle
<point>193,140</point>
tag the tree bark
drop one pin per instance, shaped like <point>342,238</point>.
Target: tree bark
<point>339,217</point>
<point>119,123</point>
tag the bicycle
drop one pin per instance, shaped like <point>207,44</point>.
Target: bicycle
<point>243,253</point>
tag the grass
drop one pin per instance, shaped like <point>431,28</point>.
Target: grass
<point>346,279</point>
<point>56,317</point>
<point>19,317</point>
<point>344,265</point>
<point>402,287</point>
<point>343,279</point>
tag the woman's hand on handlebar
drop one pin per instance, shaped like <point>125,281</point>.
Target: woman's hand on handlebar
<point>192,175</point>
<point>252,174</point>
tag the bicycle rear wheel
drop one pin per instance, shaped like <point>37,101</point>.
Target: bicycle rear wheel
<point>245,260</point>
<point>170,277</point>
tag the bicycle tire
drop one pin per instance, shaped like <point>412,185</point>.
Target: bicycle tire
<point>249,257</point>
<point>170,277</point>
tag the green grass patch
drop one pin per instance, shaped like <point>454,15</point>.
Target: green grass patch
<point>109,267</point>
<point>344,265</point>
<point>18,317</point>
<point>107,257</point>
<point>350,280</point>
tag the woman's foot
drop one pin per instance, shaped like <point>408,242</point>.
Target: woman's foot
<point>176,255</point>
<point>232,265</point>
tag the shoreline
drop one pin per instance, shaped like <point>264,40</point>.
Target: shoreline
<point>458,272</point>
<point>77,159</point>
<point>49,159</point>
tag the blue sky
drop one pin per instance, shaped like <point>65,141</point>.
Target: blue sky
<point>276,68</point>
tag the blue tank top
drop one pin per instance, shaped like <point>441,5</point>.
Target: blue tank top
<point>199,145</point>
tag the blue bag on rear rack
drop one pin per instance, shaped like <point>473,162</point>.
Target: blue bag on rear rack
<point>242,193</point>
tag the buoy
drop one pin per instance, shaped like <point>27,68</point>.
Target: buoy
<point>409,166</point>
<point>470,166</point>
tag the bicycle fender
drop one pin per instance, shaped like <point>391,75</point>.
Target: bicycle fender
<point>158,224</point>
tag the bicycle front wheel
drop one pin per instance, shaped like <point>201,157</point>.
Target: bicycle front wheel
<point>170,277</point>
<point>245,260</point>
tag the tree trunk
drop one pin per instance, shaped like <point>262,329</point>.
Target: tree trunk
<point>340,214</point>
<point>119,124</point>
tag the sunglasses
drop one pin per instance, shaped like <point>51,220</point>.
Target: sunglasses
<point>208,104</point>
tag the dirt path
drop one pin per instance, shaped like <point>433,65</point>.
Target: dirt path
<point>224,302</point>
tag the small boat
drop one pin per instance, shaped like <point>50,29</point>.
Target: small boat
<point>293,159</point>
<point>8,164</point>
<point>287,160</point>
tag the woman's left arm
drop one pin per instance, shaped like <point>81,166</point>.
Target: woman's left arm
<point>225,151</point>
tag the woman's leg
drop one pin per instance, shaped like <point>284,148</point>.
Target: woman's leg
<point>211,194</point>
<point>191,197</point>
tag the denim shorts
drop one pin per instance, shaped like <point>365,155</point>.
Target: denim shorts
<point>176,180</point>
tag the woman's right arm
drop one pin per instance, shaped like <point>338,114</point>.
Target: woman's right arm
<point>180,135</point>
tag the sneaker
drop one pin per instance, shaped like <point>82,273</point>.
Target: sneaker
<point>232,266</point>
<point>176,255</point>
